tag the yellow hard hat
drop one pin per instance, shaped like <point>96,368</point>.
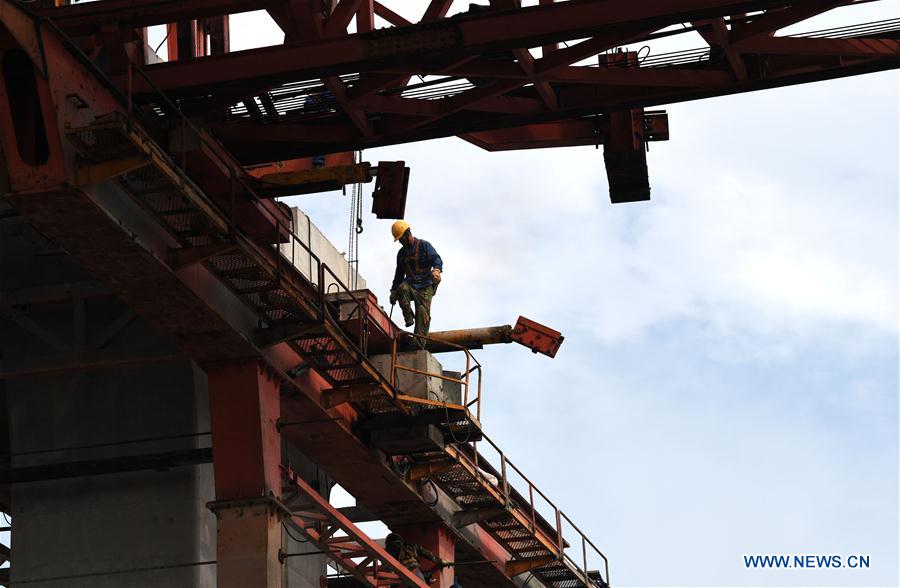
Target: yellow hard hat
<point>398,228</point>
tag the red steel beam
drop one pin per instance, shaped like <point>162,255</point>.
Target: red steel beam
<point>341,17</point>
<point>436,9</point>
<point>715,33</point>
<point>389,15</point>
<point>85,18</point>
<point>773,20</point>
<point>365,17</point>
<point>245,405</point>
<point>436,539</point>
<point>488,32</point>
<point>560,134</point>
<point>120,246</point>
<point>624,89</point>
<point>244,408</point>
<point>299,19</point>
<point>558,91</point>
<point>545,90</point>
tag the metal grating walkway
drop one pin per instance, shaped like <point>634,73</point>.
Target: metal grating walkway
<point>293,310</point>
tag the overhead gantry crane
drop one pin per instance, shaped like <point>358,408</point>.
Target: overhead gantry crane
<point>159,178</point>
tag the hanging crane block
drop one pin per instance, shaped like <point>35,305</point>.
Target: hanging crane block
<point>389,197</point>
<point>627,175</point>
<point>537,337</point>
<point>618,59</point>
<point>656,126</point>
<point>624,154</point>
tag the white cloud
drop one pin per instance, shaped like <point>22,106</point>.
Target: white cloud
<point>763,258</point>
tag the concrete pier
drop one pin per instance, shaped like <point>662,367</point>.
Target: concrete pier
<point>106,429</point>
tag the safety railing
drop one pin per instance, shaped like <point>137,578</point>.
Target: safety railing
<point>543,516</point>
<point>325,276</point>
<point>281,230</point>
<point>573,547</point>
<point>464,381</point>
<point>159,122</point>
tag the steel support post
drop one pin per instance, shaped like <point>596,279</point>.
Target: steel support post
<point>437,539</point>
<point>244,407</point>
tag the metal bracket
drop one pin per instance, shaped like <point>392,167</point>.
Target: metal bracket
<point>464,518</point>
<point>97,173</point>
<point>520,566</point>
<point>185,256</point>
<point>537,337</point>
<point>337,396</point>
<point>266,337</point>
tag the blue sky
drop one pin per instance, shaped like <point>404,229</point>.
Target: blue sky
<point>729,380</point>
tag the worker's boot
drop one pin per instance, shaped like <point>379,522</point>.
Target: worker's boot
<point>405,298</point>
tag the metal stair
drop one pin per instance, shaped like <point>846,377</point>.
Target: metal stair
<point>293,310</point>
<point>342,541</point>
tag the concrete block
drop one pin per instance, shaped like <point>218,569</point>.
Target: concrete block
<point>351,306</point>
<point>411,383</point>
<point>452,391</point>
<point>322,248</point>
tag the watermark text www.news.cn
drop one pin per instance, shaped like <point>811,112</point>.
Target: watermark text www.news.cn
<point>806,561</point>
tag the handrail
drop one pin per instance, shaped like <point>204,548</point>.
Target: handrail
<point>505,489</point>
<point>510,498</point>
<point>281,231</point>
<point>464,381</point>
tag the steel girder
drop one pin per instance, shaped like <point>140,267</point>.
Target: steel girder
<point>327,90</point>
<point>121,243</point>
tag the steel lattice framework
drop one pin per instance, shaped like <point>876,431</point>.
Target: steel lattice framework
<point>499,76</point>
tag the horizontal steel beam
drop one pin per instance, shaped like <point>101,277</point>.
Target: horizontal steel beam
<point>110,465</point>
<point>577,100</point>
<point>53,293</point>
<point>488,31</point>
<point>80,360</point>
<point>86,17</point>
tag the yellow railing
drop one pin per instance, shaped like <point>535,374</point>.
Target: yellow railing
<point>465,381</point>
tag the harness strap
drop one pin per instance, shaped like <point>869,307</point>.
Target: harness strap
<point>412,260</point>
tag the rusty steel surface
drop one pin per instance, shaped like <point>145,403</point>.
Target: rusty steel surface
<point>342,541</point>
<point>326,90</point>
<point>469,338</point>
<point>228,255</point>
<point>537,337</point>
<point>389,196</point>
<point>244,403</point>
<point>353,90</point>
<point>530,334</point>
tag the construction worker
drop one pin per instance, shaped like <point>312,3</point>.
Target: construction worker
<point>408,554</point>
<point>418,274</point>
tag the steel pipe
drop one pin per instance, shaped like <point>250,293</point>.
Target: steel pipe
<point>469,338</point>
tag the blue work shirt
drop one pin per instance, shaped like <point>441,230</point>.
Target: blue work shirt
<point>414,264</point>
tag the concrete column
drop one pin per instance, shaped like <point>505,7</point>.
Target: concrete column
<point>244,408</point>
<point>88,382</point>
<point>439,541</point>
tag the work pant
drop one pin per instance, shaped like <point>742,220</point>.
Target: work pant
<point>422,299</point>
